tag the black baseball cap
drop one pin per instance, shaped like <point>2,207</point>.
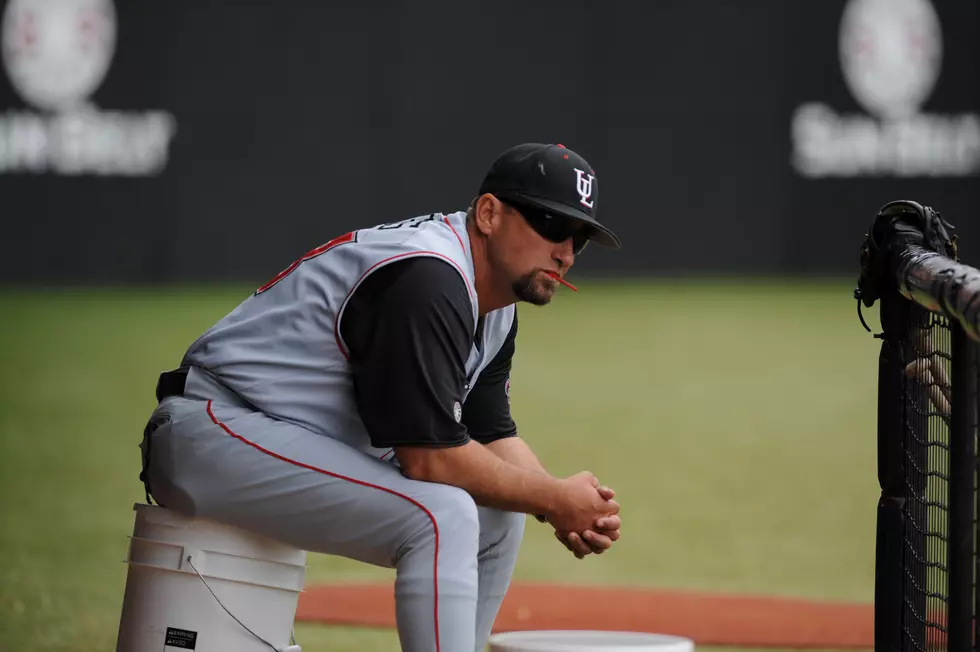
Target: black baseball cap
<point>551,178</point>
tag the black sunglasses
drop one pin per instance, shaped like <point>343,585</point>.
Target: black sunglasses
<point>555,228</point>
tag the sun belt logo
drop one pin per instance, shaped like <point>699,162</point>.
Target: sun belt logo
<point>56,54</point>
<point>891,57</point>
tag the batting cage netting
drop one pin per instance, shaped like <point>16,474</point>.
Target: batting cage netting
<point>926,563</point>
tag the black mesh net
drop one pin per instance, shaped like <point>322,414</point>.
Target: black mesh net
<point>927,464</point>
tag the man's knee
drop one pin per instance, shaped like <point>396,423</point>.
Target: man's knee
<point>449,514</point>
<point>453,509</point>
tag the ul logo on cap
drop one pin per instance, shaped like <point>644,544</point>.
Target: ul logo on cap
<point>584,186</point>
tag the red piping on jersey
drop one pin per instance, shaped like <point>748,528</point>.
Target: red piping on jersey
<point>336,321</point>
<point>313,253</point>
<point>435,526</point>
<point>445,219</point>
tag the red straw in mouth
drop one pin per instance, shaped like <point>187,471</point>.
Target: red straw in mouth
<point>562,281</point>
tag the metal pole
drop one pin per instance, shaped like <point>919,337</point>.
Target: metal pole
<point>962,509</point>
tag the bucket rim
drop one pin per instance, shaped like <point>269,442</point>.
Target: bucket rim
<point>213,578</point>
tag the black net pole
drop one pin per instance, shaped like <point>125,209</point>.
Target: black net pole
<point>962,499</point>
<point>893,548</point>
<point>976,502</point>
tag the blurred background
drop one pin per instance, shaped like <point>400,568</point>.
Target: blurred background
<point>160,160</point>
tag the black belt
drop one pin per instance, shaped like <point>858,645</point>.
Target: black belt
<point>171,383</point>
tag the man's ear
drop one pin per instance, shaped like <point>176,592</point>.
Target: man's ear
<point>487,213</point>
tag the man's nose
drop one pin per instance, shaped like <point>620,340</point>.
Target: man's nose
<point>565,253</point>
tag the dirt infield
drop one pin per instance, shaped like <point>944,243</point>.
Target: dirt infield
<point>708,619</point>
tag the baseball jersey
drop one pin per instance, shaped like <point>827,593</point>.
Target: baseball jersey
<point>284,349</point>
<point>409,330</point>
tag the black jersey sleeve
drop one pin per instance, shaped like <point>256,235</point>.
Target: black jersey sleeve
<point>408,330</point>
<point>486,413</point>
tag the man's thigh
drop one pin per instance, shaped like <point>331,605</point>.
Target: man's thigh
<point>283,481</point>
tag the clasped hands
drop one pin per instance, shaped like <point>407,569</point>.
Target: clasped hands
<point>602,512</point>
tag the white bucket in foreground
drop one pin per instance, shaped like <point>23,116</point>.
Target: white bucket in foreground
<point>587,641</point>
<point>168,607</point>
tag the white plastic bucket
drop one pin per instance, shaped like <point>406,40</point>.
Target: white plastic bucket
<point>587,641</point>
<point>167,606</point>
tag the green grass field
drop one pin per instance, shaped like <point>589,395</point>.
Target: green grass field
<point>736,422</point>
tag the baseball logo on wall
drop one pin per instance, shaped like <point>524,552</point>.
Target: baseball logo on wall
<point>56,54</point>
<point>891,55</point>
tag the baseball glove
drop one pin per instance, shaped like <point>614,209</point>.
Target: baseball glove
<point>897,225</point>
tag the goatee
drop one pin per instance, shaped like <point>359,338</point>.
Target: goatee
<point>529,291</point>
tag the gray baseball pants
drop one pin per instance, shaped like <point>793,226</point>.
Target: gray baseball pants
<point>210,456</point>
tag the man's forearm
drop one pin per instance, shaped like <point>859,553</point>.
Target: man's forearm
<point>516,451</point>
<point>489,478</point>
